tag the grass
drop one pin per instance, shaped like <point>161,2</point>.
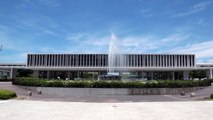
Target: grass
<point>7,94</point>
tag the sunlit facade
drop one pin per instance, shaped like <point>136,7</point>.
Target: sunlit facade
<point>145,66</point>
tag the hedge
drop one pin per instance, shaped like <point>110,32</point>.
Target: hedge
<point>7,94</point>
<point>211,96</point>
<point>6,79</point>
<point>110,84</point>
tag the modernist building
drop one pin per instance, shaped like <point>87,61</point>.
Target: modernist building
<point>146,66</point>
<point>79,66</point>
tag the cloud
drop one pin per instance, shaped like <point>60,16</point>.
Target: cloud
<point>51,3</point>
<point>76,36</point>
<point>147,12</point>
<point>175,38</point>
<point>93,39</point>
<point>202,49</point>
<point>129,44</point>
<point>39,24</point>
<point>194,9</point>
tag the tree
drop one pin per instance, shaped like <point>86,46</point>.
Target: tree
<point>24,73</point>
<point>197,74</point>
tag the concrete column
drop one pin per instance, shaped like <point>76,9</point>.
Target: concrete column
<point>78,74</point>
<point>68,75</point>
<point>35,73</point>
<point>48,74</point>
<point>152,75</point>
<point>12,73</point>
<point>210,74</point>
<point>186,75</point>
<point>173,75</point>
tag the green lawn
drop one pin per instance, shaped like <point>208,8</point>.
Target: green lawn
<point>7,94</point>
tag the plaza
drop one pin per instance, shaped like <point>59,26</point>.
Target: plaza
<point>34,110</point>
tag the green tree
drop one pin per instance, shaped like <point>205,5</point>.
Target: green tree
<point>24,73</point>
<point>197,74</point>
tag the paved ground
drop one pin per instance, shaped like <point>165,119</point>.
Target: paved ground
<point>200,94</point>
<point>43,110</point>
<point>128,107</point>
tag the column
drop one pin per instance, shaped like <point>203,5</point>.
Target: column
<point>35,73</point>
<point>186,75</point>
<point>209,74</point>
<point>78,74</point>
<point>12,73</point>
<point>68,75</point>
<point>152,76</point>
<point>173,75</point>
<point>48,74</point>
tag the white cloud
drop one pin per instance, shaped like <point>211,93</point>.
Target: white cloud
<point>75,36</point>
<point>194,9</point>
<point>147,12</point>
<point>201,49</point>
<point>51,3</point>
<point>129,44</point>
<point>175,38</point>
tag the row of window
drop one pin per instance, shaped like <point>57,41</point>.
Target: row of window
<point>101,60</point>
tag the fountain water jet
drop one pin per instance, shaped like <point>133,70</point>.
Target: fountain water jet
<point>113,55</point>
<point>117,62</point>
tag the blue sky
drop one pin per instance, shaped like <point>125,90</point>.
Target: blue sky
<point>85,26</point>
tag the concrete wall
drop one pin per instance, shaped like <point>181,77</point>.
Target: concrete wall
<point>112,91</point>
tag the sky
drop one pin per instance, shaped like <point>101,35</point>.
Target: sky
<point>86,26</point>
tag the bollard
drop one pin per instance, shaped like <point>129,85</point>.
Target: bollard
<point>39,92</point>
<point>29,93</point>
<point>192,94</point>
<point>182,93</point>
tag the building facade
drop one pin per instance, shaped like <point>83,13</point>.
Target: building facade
<point>91,66</point>
<point>101,60</point>
<point>144,66</point>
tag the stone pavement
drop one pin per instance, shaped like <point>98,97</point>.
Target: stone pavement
<point>43,110</point>
<point>200,94</point>
<point>114,107</point>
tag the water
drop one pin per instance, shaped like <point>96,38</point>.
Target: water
<point>115,57</point>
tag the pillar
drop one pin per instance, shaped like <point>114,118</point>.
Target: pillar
<point>186,75</point>
<point>35,73</point>
<point>12,73</point>
<point>78,74</point>
<point>210,74</point>
<point>48,74</point>
<point>68,75</point>
<point>173,75</point>
<point>152,76</point>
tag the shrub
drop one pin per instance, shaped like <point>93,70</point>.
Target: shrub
<point>7,94</point>
<point>111,84</point>
<point>5,79</point>
<point>211,96</point>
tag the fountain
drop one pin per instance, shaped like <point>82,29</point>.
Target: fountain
<point>113,56</point>
<point>117,63</point>
<point>115,60</point>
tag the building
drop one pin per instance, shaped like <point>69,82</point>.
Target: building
<point>144,66</point>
